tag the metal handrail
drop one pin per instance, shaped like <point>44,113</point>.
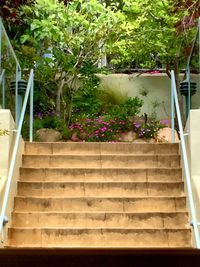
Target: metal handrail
<point>175,105</point>
<point>29,92</point>
<point>189,59</point>
<point>2,83</point>
<point>18,71</point>
<point>3,30</point>
<point>193,45</point>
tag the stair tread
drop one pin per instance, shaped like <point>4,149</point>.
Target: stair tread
<point>99,183</point>
<point>99,168</point>
<point>101,155</point>
<point>85,143</point>
<point>95,197</point>
<point>71,247</point>
<point>102,212</point>
<point>102,228</point>
<point>103,189</point>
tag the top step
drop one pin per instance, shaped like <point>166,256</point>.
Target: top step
<point>70,148</point>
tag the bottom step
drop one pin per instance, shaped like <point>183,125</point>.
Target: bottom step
<point>116,237</point>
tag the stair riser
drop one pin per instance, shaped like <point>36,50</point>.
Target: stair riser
<point>103,238</point>
<point>100,175</point>
<point>104,220</point>
<point>99,148</point>
<point>101,161</point>
<point>100,189</point>
<point>101,204</point>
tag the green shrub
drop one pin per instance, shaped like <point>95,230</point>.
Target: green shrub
<point>3,132</point>
<point>105,129</point>
<point>129,108</point>
<point>87,102</point>
<point>100,129</point>
<point>147,129</point>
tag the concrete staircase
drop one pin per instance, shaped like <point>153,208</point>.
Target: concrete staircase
<point>93,195</point>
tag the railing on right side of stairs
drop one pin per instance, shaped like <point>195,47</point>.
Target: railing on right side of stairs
<point>175,107</point>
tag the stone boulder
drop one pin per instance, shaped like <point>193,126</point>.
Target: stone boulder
<point>165,135</point>
<point>140,140</point>
<point>145,140</point>
<point>49,135</point>
<point>128,137</point>
<point>74,137</point>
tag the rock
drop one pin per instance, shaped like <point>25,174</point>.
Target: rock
<point>140,140</point>
<point>49,135</point>
<point>128,137</point>
<point>151,141</point>
<point>164,135</point>
<point>74,137</point>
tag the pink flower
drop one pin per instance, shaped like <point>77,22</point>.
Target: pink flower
<point>103,129</point>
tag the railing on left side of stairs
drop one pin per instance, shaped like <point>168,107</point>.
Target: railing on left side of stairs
<point>175,107</point>
<point>28,94</point>
<point>3,88</point>
<point>18,71</point>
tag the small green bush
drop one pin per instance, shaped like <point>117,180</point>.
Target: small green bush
<point>90,101</point>
<point>52,121</point>
<point>3,132</point>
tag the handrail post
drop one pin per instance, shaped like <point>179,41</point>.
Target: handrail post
<point>4,91</point>
<point>172,113</point>
<point>199,46</point>
<point>188,98</point>
<point>16,98</point>
<point>31,112</point>
<point>0,48</point>
<point>2,84</point>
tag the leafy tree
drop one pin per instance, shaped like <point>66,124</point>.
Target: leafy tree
<point>152,34</point>
<point>141,33</point>
<point>10,13</point>
<point>72,36</point>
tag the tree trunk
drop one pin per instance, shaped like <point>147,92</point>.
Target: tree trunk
<point>72,90</point>
<point>58,98</point>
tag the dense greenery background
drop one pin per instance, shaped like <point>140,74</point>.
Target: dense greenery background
<point>65,40</point>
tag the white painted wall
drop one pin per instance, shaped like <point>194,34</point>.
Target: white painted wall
<point>7,123</point>
<point>193,148</point>
<point>158,88</point>
<point>6,148</point>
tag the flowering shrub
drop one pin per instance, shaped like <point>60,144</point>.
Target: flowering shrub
<point>100,129</point>
<point>104,129</point>
<point>148,129</point>
<point>165,123</point>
